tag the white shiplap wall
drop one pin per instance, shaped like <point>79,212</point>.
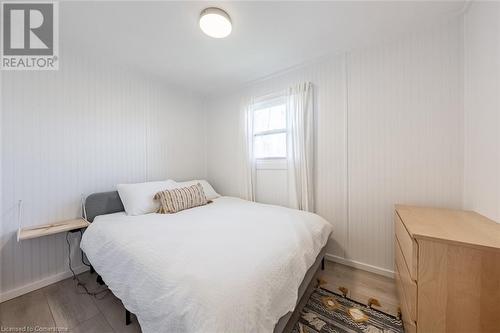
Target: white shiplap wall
<point>405,135</point>
<point>389,129</point>
<point>482,109</point>
<point>79,130</point>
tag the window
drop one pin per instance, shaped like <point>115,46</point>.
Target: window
<point>269,129</point>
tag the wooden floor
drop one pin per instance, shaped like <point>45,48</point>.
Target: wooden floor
<point>62,305</point>
<point>362,285</point>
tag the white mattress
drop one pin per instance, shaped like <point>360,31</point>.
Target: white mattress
<point>230,266</point>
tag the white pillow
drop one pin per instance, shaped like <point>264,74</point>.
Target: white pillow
<point>207,188</point>
<point>138,199</point>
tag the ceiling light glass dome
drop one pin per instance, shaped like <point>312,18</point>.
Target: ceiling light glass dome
<point>215,22</point>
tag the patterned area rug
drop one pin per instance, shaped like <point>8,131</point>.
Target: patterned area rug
<point>328,312</point>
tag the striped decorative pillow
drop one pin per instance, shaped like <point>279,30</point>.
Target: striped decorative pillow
<point>177,199</point>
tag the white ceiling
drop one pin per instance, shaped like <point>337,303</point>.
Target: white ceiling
<point>163,38</point>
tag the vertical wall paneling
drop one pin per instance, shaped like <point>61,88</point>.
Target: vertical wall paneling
<point>346,157</point>
<point>405,135</point>
<point>79,130</point>
<point>482,109</point>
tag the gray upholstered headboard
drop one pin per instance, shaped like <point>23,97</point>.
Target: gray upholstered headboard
<point>103,203</point>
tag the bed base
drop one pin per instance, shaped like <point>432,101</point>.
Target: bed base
<point>99,280</point>
<point>128,321</point>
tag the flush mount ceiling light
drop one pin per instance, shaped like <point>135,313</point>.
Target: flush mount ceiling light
<point>215,22</point>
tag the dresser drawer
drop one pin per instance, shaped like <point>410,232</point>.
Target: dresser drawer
<point>407,286</point>
<point>409,325</point>
<point>408,246</point>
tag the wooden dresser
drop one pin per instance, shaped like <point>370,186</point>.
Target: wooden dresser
<point>447,270</point>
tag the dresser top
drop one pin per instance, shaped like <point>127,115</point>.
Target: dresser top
<point>455,226</point>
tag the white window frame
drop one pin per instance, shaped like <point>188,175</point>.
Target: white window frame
<point>271,162</point>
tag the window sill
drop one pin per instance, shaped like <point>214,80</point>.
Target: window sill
<point>271,164</point>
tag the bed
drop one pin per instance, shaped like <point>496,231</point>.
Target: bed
<point>229,266</point>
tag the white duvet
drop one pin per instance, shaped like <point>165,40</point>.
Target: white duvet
<point>230,266</point>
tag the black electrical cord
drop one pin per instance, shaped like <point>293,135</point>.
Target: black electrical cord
<point>79,283</point>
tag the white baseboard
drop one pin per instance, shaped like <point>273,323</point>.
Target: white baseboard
<point>5,296</point>
<point>360,265</point>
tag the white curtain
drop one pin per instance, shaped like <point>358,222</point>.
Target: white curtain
<point>300,146</point>
<point>247,190</point>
